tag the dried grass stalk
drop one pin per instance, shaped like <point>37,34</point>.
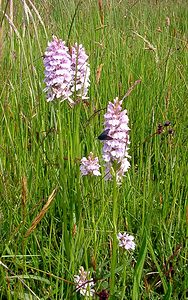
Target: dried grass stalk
<point>24,191</point>
<point>1,41</point>
<point>101,13</point>
<point>98,74</point>
<point>41,214</point>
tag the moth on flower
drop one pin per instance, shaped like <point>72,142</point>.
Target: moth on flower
<point>115,140</point>
<point>104,136</point>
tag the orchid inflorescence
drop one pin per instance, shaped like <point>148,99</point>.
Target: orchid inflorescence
<point>126,241</point>
<point>66,71</point>
<point>115,148</point>
<point>116,142</point>
<point>90,165</point>
<point>84,283</point>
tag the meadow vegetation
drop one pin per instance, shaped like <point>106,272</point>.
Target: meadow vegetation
<point>52,219</point>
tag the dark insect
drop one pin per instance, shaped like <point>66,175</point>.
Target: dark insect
<point>104,136</point>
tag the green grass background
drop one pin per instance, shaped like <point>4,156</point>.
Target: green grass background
<point>41,144</point>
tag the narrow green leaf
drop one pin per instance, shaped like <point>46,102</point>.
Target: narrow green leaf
<point>139,268</point>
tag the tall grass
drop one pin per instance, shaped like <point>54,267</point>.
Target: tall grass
<point>41,145</point>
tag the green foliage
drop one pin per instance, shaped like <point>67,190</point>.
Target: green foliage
<point>41,145</point>
<point>139,268</point>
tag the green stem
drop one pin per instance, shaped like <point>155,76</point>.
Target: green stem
<point>114,249</point>
<point>124,279</point>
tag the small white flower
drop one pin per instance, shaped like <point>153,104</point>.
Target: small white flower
<point>90,165</point>
<point>84,283</point>
<point>126,241</point>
